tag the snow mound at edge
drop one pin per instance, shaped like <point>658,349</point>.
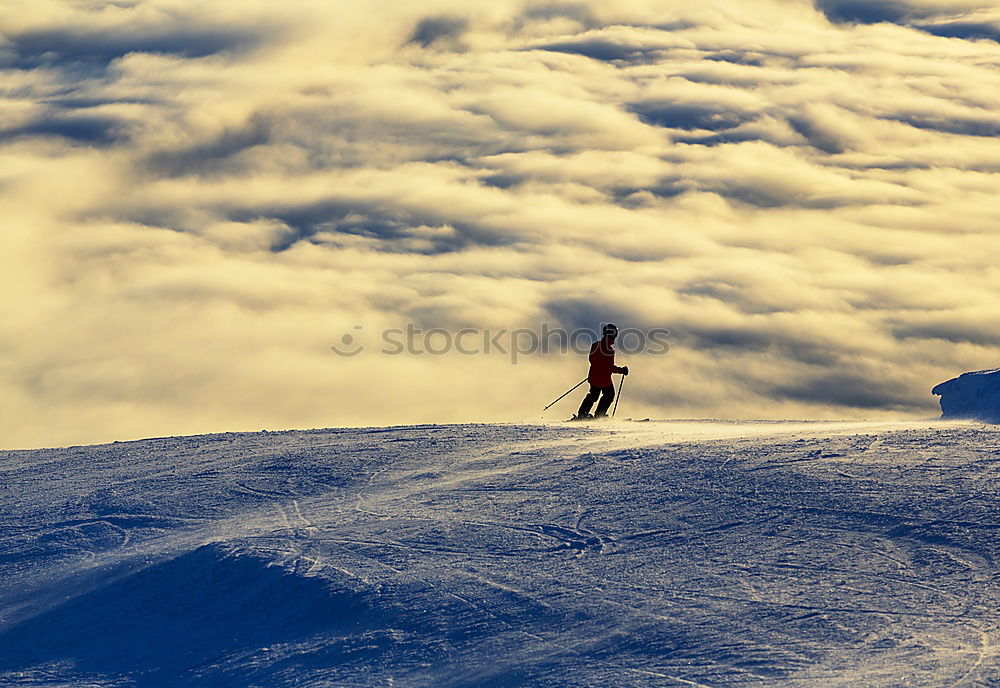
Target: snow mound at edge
<point>974,395</point>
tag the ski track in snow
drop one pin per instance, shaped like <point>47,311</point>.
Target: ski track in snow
<point>706,554</point>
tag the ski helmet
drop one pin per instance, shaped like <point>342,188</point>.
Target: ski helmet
<point>609,330</point>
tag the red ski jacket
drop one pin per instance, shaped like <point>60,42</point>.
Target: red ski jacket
<point>602,363</point>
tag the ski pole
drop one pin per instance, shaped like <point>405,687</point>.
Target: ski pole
<point>567,392</point>
<point>620,385</point>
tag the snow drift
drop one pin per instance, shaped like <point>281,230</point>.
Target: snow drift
<point>204,604</point>
<point>974,395</point>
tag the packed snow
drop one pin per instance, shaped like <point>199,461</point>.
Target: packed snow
<point>629,554</point>
<point>971,395</point>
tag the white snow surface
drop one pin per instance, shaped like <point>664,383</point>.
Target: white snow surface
<point>629,554</point>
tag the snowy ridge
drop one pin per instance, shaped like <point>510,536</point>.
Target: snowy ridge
<point>661,554</point>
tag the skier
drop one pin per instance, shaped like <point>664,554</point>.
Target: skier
<point>602,364</point>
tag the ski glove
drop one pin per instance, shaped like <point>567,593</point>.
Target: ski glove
<point>624,370</point>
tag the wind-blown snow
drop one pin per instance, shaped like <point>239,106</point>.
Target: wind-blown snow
<point>660,554</point>
<point>971,395</point>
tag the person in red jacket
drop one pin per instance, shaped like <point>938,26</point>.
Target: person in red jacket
<point>602,364</point>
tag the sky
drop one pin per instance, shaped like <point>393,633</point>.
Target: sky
<point>201,201</point>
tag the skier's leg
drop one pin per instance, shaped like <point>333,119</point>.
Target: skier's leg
<point>588,401</point>
<point>607,396</point>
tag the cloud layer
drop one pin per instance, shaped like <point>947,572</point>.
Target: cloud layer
<point>199,199</point>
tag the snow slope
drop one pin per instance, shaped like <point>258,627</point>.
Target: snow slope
<point>637,554</point>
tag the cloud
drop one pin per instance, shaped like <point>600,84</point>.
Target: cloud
<point>866,11</point>
<point>200,199</point>
<point>969,30</point>
<point>864,390</point>
<point>949,19</point>
<point>679,104</point>
<point>438,30</point>
<point>89,129</point>
<point>965,325</point>
<point>68,46</point>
